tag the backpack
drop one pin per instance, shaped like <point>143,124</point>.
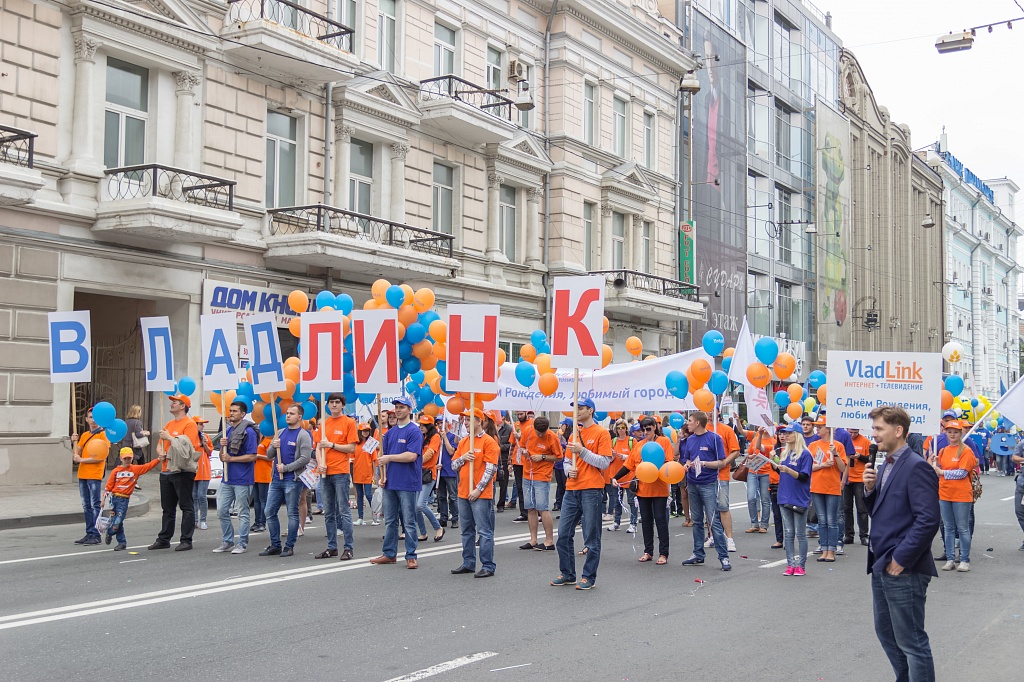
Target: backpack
<point>181,456</point>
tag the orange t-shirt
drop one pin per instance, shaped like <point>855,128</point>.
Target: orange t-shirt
<point>827,481</point>
<point>621,447</point>
<point>767,447</point>
<point>94,470</point>
<point>263,471</point>
<point>861,445</point>
<point>181,427</point>
<point>122,480</point>
<point>340,431</point>
<point>956,491</point>
<point>731,444</point>
<point>546,445</point>
<point>362,464</point>
<point>659,488</point>
<point>203,466</point>
<point>487,451</point>
<point>432,455</point>
<point>518,444</point>
<point>596,439</point>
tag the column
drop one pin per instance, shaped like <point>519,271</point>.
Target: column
<point>399,151</point>
<point>185,94</point>
<point>342,163</point>
<point>533,196</point>
<point>493,197</point>
<point>638,242</point>
<point>606,237</point>
<point>83,122</point>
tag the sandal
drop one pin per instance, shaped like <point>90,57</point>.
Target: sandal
<point>752,530</point>
<point>438,538</point>
<point>777,545</point>
<point>422,538</point>
<point>688,524</point>
<point>662,560</point>
<point>583,551</point>
<point>645,557</point>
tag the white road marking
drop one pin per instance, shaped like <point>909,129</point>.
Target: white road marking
<point>510,667</point>
<point>1006,499</point>
<point>61,556</point>
<point>774,563</point>
<point>130,561</point>
<point>443,667</point>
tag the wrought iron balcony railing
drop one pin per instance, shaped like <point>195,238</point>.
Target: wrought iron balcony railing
<point>462,90</point>
<point>331,220</point>
<point>17,146</point>
<point>295,17</point>
<point>641,281</point>
<point>152,180</point>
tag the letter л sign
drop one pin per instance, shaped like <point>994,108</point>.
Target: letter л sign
<point>156,343</point>
<point>577,324</point>
<point>320,356</point>
<point>375,351</point>
<point>472,348</point>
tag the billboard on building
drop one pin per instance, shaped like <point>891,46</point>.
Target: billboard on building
<point>834,218</point>
<point>719,176</point>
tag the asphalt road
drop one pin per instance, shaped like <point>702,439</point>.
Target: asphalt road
<point>69,612</point>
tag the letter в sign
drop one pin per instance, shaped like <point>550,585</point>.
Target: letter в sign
<point>70,346</point>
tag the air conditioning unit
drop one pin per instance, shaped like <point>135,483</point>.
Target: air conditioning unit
<point>516,70</point>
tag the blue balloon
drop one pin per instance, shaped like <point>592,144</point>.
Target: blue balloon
<point>669,432</point>
<point>719,382</point>
<point>186,385</point>
<point>245,388</point>
<point>282,423</point>
<point>676,420</point>
<point>954,384</point>
<point>424,396</point>
<point>411,365</point>
<point>415,333</point>
<point>247,399</point>
<point>299,397</point>
<point>726,364</point>
<point>713,342</point>
<point>104,414</point>
<point>653,453</point>
<point>411,387</point>
<point>350,396</point>
<point>348,344</point>
<point>266,428</point>
<point>600,416</point>
<point>404,349</point>
<point>525,373</point>
<point>543,348</point>
<point>268,411</point>
<point>974,402</point>
<point>348,363</point>
<point>766,349</point>
<point>173,391</point>
<point>426,318</point>
<point>677,384</point>
<point>395,296</point>
<point>816,379</point>
<point>117,431</point>
<point>442,368</point>
<point>349,383</point>
<point>538,337</point>
<point>366,398</point>
<point>326,299</point>
<point>782,399</point>
<point>309,409</point>
<point>418,377</point>
<point>344,303</point>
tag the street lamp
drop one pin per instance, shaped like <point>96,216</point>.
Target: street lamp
<point>928,223</point>
<point>689,83</point>
<point>963,40</point>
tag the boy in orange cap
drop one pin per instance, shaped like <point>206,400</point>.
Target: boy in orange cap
<point>120,486</point>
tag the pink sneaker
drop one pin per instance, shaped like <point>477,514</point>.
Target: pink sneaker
<point>789,570</point>
<point>799,570</point>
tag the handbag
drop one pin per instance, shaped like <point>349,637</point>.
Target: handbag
<point>740,473</point>
<point>795,509</point>
<point>427,477</point>
<point>142,442</point>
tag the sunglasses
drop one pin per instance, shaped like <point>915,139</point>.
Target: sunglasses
<point>648,428</point>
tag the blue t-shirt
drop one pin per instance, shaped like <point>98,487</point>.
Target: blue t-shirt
<point>289,447</point>
<point>792,490</point>
<point>811,438</point>
<point>404,475</point>
<point>843,436</point>
<point>241,473</point>
<point>446,460</point>
<point>708,447</point>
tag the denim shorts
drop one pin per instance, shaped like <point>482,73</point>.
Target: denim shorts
<point>536,495</point>
<point>722,500</point>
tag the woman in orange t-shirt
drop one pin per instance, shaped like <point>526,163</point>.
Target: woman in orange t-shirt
<point>363,463</point>
<point>431,456</point>
<point>759,482</point>
<point>827,488</point>
<point>622,445</point>
<point>653,497</point>
<point>202,481</point>
<point>954,465</point>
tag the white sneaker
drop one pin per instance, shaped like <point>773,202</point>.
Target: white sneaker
<point>202,525</point>
<point>239,549</point>
<point>607,517</point>
<point>948,566</point>
<point>963,567</point>
<point>839,549</point>
<point>614,526</point>
<point>710,542</point>
<point>309,519</point>
<point>224,547</point>
<point>632,528</point>
<point>730,545</point>
<point>358,522</point>
<point>375,523</point>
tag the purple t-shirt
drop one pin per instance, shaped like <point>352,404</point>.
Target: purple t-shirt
<point>707,447</point>
<point>792,490</point>
<point>404,475</point>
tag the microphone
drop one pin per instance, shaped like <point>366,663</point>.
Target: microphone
<point>873,449</point>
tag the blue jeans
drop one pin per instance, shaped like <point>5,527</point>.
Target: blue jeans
<point>956,521</point>
<point>630,501</point>
<point>828,507</point>
<point>477,519</point>
<point>89,489</point>
<point>199,502</point>
<point>363,490</point>
<point>259,502</point>
<point>577,504</point>
<point>228,495</point>
<point>613,501</point>
<point>1004,464</point>
<point>423,509</point>
<point>794,536</point>
<point>757,495</point>
<point>899,624</point>
<point>704,502</point>
<point>320,494</point>
<point>286,492</point>
<point>448,498</point>
<point>335,496</point>
<point>120,505</point>
<point>399,502</point>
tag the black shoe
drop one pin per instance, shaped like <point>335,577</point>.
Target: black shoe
<point>327,554</point>
<point>483,573</point>
<point>271,551</point>
<point>183,547</point>
<point>520,519</point>
<point>461,570</point>
<point>941,557</point>
<point>81,540</point>
<point>511,505</point>
<point>864,541</point>
<point>108,538</point>
<point>92,540</point>
<point>258,529</point>
<point>848,541</point>
<point>287,551</point>
<point>444,524</point>
<point>455,524</point>
<point>499,509</point>
<point>159,544</point>
<point>122,546</point>
<point>557,507</point>
<point>528,545</point>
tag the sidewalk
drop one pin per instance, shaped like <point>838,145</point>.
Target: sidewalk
<point>52,505</point>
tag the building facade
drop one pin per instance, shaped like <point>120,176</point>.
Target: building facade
<point>177,157</point>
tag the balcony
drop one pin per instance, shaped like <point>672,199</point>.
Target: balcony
<point>460,111</point>
<point>637,294</point>
<point>19,180</point>
<point>283,39</point>
<point>169,204</point>
<point>352,242</point>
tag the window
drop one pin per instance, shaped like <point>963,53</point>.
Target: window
<point>649,140</point>
<point>513,351</point>
<point>387,19</point>
<point>781,52</point>
<point>783,138</point>
<point>645,247</point>
<point>124,123</point>
<point>758,122</point>
<point>507,221</point>
<point>282,159</point>
<point>493,69</point>
<point>444,50</point>
<point>360,179</point>
<point>785,213</point>
<point>784,318</point>
<point>347,16</point>
<point>759,303</point>
<point>588,236</point>
<point>618,240</point>
<point>589,112</point>
<point>525,117</point>
<point>619,127</point>
<point>444,191</point>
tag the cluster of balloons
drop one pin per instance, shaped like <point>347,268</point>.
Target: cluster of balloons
<point>653,465</point>
<point>701,380</point>
<point>105,416</point>
<point>535,361</point>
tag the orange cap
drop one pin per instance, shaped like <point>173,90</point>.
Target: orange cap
<point>364,427</point>
<point>182,398</point>
<point>478,413</point>
<point>199,420</point>
<point>424,419</point>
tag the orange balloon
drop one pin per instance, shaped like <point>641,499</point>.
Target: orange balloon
<point>568,414</point>
<point>502,357</point>
<point>634,345</point>
<point>408,294</point>
<point>784,365</point>
<point>486,397</point>
<point>647,472</point>
<point>796,392</point>
<point>704,400</point>
<point>456,405</point>
<point>407,315</point>
<point>614,415</point>
<point>947,398</point>
<point>758,375</point>
<point>728,352</point>
<point>438,330</point>
<point>401,331</point>
<point>528,352</point>
<point>214,398</point>
<point>693,381</point>
<point>431,409</point>
<point>440,351</point>
<point>795,410</point>
<point>268,397</point>
<point>292,372</point>
<point>604,327</point>
<point>257,412</point>
<point>292,360</point>
<point>298,301</point>
<point>434,383</point>
<point>543,363</point>
<point>96,448</point>
<point>379,290</point>
<point>346,325</point>
<point>429,362</point>
<point>672,472</point>
<point>822,396</point>
<point>295,326</point>
<point>283,406</point>
<point>422,349</point>
<point>370,304</point>
<point>701,370</point>
<point>229,397</point>
<point>289,388</point>
<point>423,300</point>
<point>547,384</point>
<point>606,355</point>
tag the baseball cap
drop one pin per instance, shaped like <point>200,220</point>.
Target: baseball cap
<point>402,401</point>
<point>791,428</point>
<point>565,422</point>
<point>586,402</point>
<point>478,413</point>
<point>424,419</point>
<point>199,420</point>
<point>127,452</point>
<point>182,398</point>
<point>364,427</point>
<point>821,421</point>
<point>949,414</point>
<point>956,424</point>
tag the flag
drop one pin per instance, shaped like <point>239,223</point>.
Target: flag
<point>1009,405</point>
<point>759,408</point>
<point>1002,387</point>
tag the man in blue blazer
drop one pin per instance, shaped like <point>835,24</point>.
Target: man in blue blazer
<point>902,498</point>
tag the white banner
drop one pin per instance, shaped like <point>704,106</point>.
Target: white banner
<point>577,324</point>
<point>267,368</point>
<point>70,346</point>
<point>631,386</point>
<point>759,407</point>
<point>156,344</point>
<point>219,336</point>
<point>472,348</point>
<point>321,351</point>
<point>244,300</point>
<point>375,351</point>
<point>858,382</point>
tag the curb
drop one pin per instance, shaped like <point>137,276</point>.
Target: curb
<point>137,506</point>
